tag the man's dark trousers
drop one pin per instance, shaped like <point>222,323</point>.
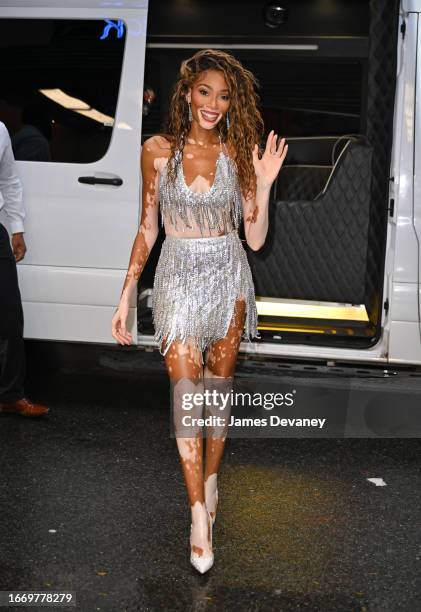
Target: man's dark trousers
<point>12,350</point>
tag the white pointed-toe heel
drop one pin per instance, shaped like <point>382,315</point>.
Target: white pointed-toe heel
<point>216,506</point>
<point>203,563</point>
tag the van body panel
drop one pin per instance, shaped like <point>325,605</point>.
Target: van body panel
<point>378,353</point>
<point>74,4</point>
<point>406,244</point>
<point>411,6</point>
<point>71,285</point>
<point>79,236</point>
<point>405,302</point>
<point>417,171</point>
<point>404,343</point>
<point>49,321</point>
<point>403,251</point>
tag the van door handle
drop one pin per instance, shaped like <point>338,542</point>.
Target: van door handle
<point>94,180</point>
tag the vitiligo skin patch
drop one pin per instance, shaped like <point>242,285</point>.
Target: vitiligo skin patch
<point>184,361</point>
<point>184,366</point>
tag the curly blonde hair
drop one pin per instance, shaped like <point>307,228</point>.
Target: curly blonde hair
<point>246,123</point>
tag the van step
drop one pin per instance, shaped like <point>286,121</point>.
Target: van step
<point>149,360</point>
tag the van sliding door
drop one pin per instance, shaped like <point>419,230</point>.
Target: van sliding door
<point>72,102</point>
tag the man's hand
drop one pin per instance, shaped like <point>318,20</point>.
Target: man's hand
<point>18,246</point>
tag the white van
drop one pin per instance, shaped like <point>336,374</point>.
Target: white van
<point>339,276</point>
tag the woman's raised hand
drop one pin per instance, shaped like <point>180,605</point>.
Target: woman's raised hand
<point>119,321</point>
<point>268,166</point>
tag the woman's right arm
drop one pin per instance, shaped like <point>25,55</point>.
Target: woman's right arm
<point>144,241</point>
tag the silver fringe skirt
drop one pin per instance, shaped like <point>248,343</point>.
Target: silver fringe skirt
<point>196,284</point>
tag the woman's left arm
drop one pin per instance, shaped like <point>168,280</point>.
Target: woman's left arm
<point>256,209</point>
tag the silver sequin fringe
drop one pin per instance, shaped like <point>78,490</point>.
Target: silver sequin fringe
<point>197,282</point>
<point>219,208</point>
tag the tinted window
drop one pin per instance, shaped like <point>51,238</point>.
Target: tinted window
<point>60,82</point>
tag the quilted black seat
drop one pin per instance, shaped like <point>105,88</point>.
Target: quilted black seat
<point>316,248</point>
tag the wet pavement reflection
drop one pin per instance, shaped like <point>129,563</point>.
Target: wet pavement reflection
<point>93,501</point>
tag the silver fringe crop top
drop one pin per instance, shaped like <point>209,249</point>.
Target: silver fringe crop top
<point>218,208</point>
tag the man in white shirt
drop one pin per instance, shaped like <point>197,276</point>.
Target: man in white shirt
<point>12,351</point>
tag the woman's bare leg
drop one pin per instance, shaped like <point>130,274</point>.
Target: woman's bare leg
<point>221,358</point>
<point>184,366</point>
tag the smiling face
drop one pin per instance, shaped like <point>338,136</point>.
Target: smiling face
<point>209,98</point>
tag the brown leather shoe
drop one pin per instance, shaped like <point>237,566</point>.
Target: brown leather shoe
<point>25,408</point>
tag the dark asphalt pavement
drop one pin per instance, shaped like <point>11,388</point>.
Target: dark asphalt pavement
<point>299,526</point>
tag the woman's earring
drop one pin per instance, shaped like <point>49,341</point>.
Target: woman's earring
<point>228,121</point>
<point>190,113</point>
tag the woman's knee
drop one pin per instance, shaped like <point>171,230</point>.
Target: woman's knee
<point>183,360</point>
<point>211,372</point>
<point>220,364</point>
<point>221,356</point>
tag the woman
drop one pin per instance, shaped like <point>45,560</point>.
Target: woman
<point>206,175</point>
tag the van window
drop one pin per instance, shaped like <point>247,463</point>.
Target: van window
<point>60,83</point>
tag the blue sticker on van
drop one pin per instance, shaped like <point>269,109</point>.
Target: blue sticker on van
<point>112,25</point>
